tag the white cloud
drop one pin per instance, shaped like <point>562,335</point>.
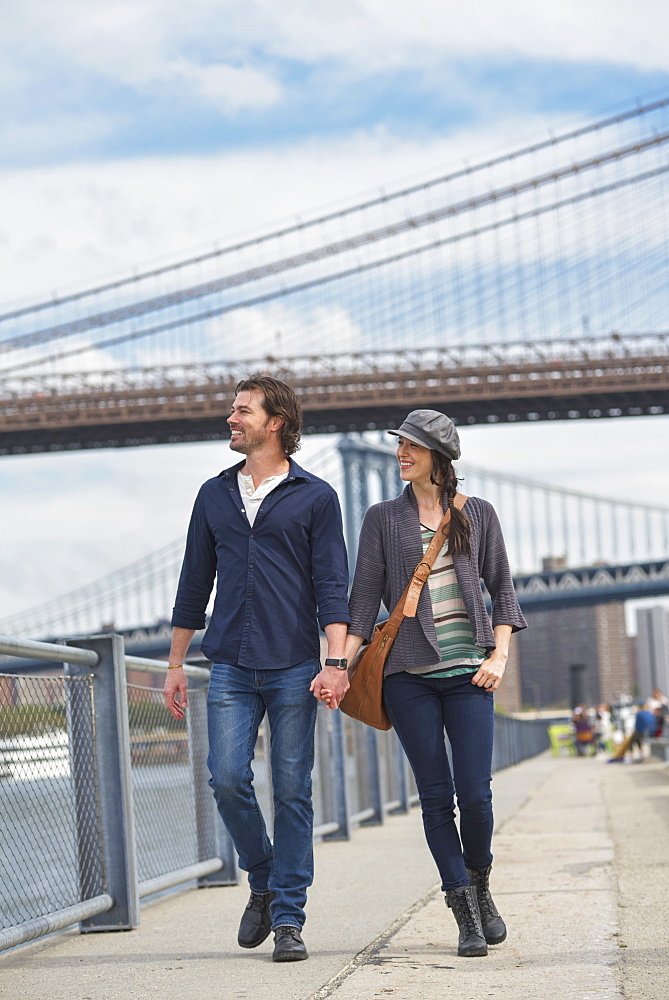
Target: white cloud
<point>144,46</point>
<point>74,225</point>
<point>248,332</point>
<point>230,89</point>
<point>375,35</point>
<point>225,54</point>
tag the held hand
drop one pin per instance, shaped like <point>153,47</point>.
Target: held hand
<point>330,686</point>
<point>490,673</point>
<point>175,691</point>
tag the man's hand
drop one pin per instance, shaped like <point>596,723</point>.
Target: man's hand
<point>330,686</point>
<point>176,692</point>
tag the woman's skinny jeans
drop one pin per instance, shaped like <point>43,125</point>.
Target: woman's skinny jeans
<point>421,709</point>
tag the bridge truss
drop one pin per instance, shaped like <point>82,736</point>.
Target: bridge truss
<point>530,287</point>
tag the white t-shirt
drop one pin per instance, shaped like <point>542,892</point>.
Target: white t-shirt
<point>253,497</point>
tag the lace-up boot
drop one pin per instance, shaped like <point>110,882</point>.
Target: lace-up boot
<point>494,928</point>
<point>256,923</point>
<point>288,945</point>
<point>471,942</point>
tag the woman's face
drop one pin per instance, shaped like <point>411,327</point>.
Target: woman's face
<point>415,461</point>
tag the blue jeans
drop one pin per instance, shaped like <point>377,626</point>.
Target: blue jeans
<point>237,701</point>
<point>421,708</point>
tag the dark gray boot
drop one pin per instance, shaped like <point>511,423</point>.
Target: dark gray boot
<point>471,942</point>
<point>494,928</point>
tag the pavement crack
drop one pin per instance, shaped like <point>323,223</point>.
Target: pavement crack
<point>367,954</point>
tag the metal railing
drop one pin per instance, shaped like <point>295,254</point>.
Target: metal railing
<point>104,797</point>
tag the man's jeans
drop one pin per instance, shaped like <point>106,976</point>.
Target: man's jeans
<point>421,708</point>
<point>238,699</point>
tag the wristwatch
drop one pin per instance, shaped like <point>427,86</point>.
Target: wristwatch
<point>340,664</point>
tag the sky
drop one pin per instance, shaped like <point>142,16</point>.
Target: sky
<point>138,132</point>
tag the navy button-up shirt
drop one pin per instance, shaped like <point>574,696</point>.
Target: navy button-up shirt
<point>276,581</point>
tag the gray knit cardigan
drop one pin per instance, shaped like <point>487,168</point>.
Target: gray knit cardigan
<point>390,547</point>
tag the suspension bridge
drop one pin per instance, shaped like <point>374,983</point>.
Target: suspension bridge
<point>531,287</point>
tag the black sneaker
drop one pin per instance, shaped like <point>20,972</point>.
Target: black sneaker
<point>288,945</point>
<point>256,923</point>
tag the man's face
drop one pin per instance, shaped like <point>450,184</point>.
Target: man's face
<point>250,425</point>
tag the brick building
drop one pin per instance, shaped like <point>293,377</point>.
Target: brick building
<point>575,654</point>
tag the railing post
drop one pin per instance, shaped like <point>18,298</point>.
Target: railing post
<point>373,777</point>
<point>213,840</point>
<point>111,742</point>
<point>338,777</point>
<point>400,765</point>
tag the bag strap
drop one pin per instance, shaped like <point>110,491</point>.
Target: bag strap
<point>407,605</point>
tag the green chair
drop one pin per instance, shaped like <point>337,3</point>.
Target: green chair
<point>561,736</point>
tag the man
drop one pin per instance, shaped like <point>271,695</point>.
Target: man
<point>271,534</point>
<point>645,724</point>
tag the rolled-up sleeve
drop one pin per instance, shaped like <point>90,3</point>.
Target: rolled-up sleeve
<point>329,564</point>
<point>369,581</point>
<point>198,572</point>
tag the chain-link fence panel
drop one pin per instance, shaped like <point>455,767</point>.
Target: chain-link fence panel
<point>162,784</point>
<point>50,855</point>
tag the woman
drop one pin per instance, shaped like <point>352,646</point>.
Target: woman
<point>447,661</point>
<point>583,730</point>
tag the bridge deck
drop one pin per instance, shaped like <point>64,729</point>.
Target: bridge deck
<point>580,854</point>
<point>349,393</point>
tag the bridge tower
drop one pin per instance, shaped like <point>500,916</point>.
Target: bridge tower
<point>362,460</point>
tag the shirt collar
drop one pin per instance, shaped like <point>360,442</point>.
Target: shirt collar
<point>294,471</point>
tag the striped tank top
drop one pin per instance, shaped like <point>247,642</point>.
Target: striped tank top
<point>458,652</point>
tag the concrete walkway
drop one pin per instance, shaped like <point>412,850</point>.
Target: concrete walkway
<point>581,876</point>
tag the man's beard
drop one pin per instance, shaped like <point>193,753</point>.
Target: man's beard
<point>250,441</point>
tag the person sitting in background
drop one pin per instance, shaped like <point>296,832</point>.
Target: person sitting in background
<point>603,729</point>
<point>659,704</point>
<point>584,735</point>
<point>657,700</point>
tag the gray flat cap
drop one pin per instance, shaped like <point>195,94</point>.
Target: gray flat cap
<point>432,430</point>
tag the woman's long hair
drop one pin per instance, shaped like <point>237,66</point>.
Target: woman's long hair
<point>443,474</point>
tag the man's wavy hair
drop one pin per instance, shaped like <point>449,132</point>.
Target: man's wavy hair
<point>279,400</point>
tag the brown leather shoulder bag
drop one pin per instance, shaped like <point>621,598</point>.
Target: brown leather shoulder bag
<point>364,698</point>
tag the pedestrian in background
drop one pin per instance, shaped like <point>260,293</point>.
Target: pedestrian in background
<point>270,534</point>
<point>645,725</point>
<point>446,662</point>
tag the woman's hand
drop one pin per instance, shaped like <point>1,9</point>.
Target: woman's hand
<point>330,686</point>
<point>489,674</point>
